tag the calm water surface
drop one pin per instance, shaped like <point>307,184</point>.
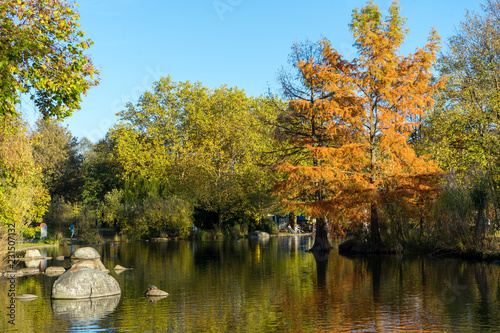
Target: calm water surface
<point>271,286</point>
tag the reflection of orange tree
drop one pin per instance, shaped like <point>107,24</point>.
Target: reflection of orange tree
<point>229,286</point>
<point>365,294</point>
<point>353,136</point>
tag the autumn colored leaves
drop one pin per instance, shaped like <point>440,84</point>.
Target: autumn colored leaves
<point>354,129</point>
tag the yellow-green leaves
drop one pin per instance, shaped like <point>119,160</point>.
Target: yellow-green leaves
<point>41,54</point>
<point>200,143</point>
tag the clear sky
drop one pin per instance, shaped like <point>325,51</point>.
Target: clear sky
<point>236,42</point>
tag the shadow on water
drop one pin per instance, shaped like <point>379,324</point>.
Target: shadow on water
<point>321,298</point>
<point>483,307</point>
<point>321,258</point>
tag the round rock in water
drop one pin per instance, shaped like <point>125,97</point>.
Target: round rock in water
<point>54,270</point>
<point>34,253</point>
<point>79,283</point>
<point>85,253</point>
<point>154,291</point>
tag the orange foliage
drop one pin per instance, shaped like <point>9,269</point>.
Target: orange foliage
<point>357,150</point>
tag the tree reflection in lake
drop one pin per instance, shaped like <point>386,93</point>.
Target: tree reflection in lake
<point>250,285</point>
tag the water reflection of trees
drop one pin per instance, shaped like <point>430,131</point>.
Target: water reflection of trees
<point>276,286</point>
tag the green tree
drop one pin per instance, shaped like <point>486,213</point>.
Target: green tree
<point>56,152</point>
<point>461,133</point>
<point>148,215</point>
<point>101,173</point>
<point>42,55</point>
<point>23,198</point>
<point>201,144</point>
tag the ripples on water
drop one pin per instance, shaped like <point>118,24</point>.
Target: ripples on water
<point>274,286</point>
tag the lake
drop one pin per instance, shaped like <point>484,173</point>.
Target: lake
<point>266,286</point>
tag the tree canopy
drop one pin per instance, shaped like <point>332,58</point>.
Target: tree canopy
<point>359,126</point>
<point>462,131</point>
<point>202,144</point>
<point>42,54</point>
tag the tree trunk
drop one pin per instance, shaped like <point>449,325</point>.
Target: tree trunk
<point>374,227</point>
<point>291,220</point>
<point>321,242</point>
<point>219,215</point>
<point>479,230</point>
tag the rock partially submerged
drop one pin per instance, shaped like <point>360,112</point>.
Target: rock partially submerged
<point>54,270</point>
<point>32,253</point>
<point>30,271</point>
<point>14,274</point>
<point>80,282</point>
<point>85,253</point>
<point>260,235</point>
<point>25,297</point>
<point>155,292</point>
<point>32,263</point>
<point>32,258</point>
<point>121,268</point>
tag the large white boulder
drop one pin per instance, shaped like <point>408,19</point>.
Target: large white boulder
<point>80,282</point>
<point>32,253</point>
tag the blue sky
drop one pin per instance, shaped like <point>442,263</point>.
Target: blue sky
<point>236,42</point>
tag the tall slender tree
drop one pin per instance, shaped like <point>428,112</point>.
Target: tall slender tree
<point>359,126</point>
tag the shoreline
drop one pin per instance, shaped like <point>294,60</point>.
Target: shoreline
<point>351,248</point>
<point>36,247</point>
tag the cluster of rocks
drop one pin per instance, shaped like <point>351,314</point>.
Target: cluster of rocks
<point>87,278</point>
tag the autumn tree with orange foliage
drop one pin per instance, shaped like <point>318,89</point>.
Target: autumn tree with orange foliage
<point>348,132</point>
